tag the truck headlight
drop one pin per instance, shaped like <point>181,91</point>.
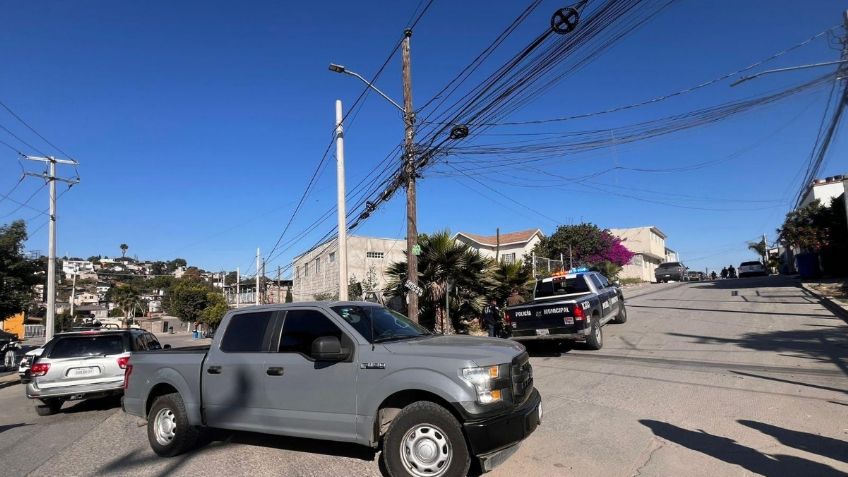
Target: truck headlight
<point>482,379</point>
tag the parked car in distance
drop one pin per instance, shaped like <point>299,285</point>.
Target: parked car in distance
<point>694,276</point>
<point>343,371</point>
<point>670,271</point>
<point>752,269</point>
<point>26,363</point>
<point>83,365</point>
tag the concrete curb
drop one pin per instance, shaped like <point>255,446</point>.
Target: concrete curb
<point>836,307</point>
<point>9,380</point>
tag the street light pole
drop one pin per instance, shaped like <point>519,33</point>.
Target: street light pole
<point>342,210</point>
<point>409,171</point>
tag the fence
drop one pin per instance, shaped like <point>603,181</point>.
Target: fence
<point>544,267</point>
<point>34,331</point>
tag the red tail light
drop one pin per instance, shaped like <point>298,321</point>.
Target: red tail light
<point>508,317</point>
<point>39,369</point>
<point>127,373</point>
<point>122,361</point>
<point>579,314</point>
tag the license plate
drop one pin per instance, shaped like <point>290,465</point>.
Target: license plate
<point>543,332</point>
<point>568,320</point>
<point>82,372</point>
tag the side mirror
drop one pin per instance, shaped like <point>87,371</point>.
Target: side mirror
<point>328,348</point>
<point>167,346</point>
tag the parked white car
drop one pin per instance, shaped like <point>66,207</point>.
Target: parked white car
<point>752,269</point>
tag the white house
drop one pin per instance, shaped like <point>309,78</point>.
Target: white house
<point>507,247</point>
<point>316,272</point>
<point>648,245</point>
<point>86,298</point>
<point>825,190</point>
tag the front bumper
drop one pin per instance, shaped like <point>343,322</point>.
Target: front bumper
<point>83,391</point>
<point>492,438</point>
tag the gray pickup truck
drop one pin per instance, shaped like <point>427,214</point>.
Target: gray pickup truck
<point>343,371</point>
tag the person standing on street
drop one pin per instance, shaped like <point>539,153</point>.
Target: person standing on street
<point>724,273</point>
<point>491,314</point>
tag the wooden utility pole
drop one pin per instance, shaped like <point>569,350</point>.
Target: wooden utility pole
<point>409,172</point>
<point>497,244</point>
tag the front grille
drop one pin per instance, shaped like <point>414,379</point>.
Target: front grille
<point>522,377</point>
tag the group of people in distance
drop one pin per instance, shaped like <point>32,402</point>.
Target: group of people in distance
<point>727,272</point>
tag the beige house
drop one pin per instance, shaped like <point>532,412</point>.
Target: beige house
<point>648,245</point>
<point>316,272</point>
<point>825,190</point>
<point>509,247</point>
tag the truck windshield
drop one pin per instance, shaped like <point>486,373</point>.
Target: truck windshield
<point>377,324</point>
<point>562,286</point>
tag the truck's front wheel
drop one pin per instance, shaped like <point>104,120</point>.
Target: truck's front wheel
<point>168,429</point>
<point>425,440</point>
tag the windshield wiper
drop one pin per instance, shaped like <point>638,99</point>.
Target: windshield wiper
<point>394,338</point>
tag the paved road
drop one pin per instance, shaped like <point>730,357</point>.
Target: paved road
<point>740,377</point>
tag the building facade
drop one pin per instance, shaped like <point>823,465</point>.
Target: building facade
<point>316,272</point>
<point>825,190</point>
<point>648,245</point>
<point>508,247</point>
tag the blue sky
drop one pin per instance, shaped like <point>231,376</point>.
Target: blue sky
<point>198,124</point>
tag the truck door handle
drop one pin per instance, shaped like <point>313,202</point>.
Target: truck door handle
<point>213,370</point>
<point>274,371</point>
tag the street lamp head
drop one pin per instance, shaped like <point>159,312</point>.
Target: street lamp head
<point>337,68</point>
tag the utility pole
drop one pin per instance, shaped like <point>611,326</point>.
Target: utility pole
<point>765,251</point>
<point>224,287</point>
<point>409,171</point>
<point>497,245</point>
<point>258,269</point>
<point>238,287</point>
<point>74,290</point>
<point>279,287</point>
<point>51,245</point>
<point>342,210</point>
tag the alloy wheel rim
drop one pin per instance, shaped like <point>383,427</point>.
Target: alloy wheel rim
<point>426,451</point>
<point>165,426</point>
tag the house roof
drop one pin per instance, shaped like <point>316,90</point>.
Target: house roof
<point>509,238</point>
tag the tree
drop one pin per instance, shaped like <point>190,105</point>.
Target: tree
<point>17,273</point>
<point>187,299</point>
<point>159,268</point>
<point>175,264</point>
<point>124,248</point>
<point>444,263</point>
<point>820,229</point>
<point>509,277</point>
<point>127,298</point>
<point>589,246</point>
<point>760,248</point>
<point>216,308</point>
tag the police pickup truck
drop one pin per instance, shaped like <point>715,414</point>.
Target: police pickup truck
<point>568,307</point>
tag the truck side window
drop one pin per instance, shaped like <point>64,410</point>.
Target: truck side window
<point>246,332</point>
<point>302,327</point>
<point>152,342</point>
<point>604,281</point>
<point>597,282</point>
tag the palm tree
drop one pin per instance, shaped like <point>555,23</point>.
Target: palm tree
<point>509,277</point>
<point>124,248</point>
<point>127,298</point>
<point>760,248</point>
<point>443,264</point>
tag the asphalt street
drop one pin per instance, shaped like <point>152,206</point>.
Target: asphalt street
<point>736,377</point>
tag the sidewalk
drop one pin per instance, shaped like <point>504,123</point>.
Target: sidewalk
<point>825,291</point>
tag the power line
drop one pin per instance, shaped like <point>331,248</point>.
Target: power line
<point>15,115</point>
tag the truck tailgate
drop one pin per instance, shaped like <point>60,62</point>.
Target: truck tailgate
<point>542,319</point>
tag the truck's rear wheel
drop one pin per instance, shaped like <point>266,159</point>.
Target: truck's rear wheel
<point>595,340</point>
<point>168,429</point>
<point>425,440</point>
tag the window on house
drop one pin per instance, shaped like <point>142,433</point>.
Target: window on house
<point>332,257</point>
<point>508,258</point>
<point>374,254</point>
<point>318,265</point>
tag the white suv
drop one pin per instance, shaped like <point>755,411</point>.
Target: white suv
<point>751,269</point>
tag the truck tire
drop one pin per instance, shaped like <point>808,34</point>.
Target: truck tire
<point>621,317</point>
<point>168,429</point>
<point>50,407</point>
<point>595,340</point>
<point>425,439</point>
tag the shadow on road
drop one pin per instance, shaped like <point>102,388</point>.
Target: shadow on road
<point>88,405</point>
<point>714,310</point>
<point>6,427</point>
<point>823,345</point>
<point>732,452</point>
<point>813,443</point>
